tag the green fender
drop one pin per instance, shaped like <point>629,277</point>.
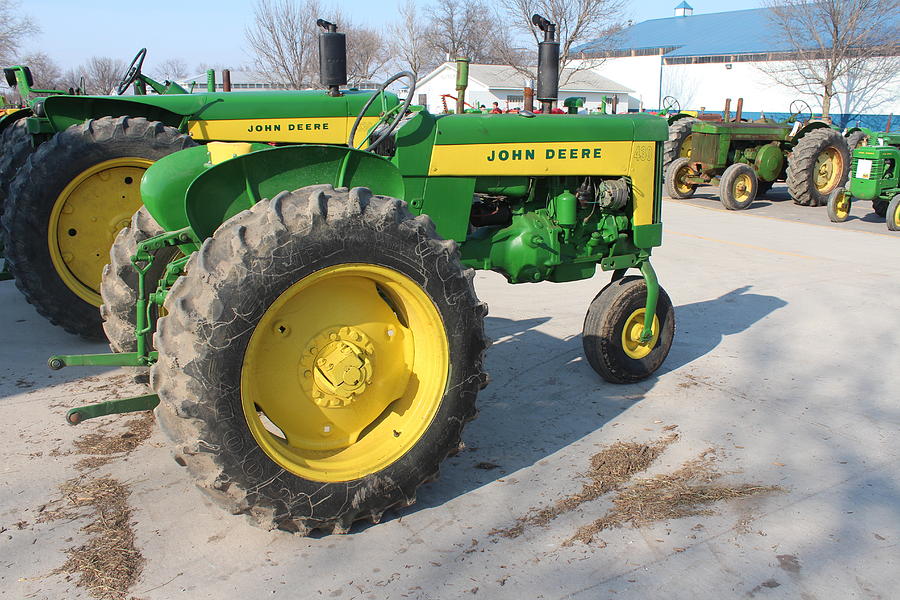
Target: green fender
<point>212,194</point>
<point>64,111</point>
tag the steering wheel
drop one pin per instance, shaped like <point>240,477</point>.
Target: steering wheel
<point>397,111</point>
<point>132,73</point>
<point>670,103</point>
<point>799,110</point>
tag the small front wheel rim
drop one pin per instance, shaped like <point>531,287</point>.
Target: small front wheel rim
<point>682,186</point>
<point>742,188</point>
<point>85,219</point>
<point>631,335</point>
<point>842,207</point>
<point>344,372</point>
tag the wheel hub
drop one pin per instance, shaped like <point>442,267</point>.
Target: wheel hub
<point>339,362</point>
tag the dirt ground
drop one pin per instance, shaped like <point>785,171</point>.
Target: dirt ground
<point>760,461</point>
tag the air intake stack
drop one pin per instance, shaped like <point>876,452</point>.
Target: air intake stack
<point>548,64</point>
<point>332,57</point>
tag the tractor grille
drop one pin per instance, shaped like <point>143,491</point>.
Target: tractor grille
<point>704,147</point>
<point>877,168</point>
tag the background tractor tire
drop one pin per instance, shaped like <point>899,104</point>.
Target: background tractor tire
<point>893,214</point>
<point>818,164</point>
<point>65,207</point>
<point>857,139</point>
<point>604,338</point>
<point>120,280</point>
<point>738,187</point>
<point>679,132</point>
<point>675,186</point>
<point>15,146</point>
<point>880,207</point>
<point>218,312</point>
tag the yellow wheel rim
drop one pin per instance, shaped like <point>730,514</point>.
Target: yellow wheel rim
<point>686,146</point>
<point>681,185</point>
<point>828,169</point>
<point>896,216</point>
<point>344,372</point>
<point>86,218</point>
<point>842,207</point>
<point>631,335</point>
<point>742,187</point>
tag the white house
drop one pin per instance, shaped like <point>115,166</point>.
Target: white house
<point>504,85</point>
<point>703,59</point>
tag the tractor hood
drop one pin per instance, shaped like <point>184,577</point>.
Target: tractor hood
<point>264,114</point>
<point>510,128</point>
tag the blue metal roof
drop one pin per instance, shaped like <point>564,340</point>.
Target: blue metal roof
<point>733,32</point>
<point>684,5</point>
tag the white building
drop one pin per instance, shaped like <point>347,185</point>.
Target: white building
<point>703,59</point>
<point>504,85</point>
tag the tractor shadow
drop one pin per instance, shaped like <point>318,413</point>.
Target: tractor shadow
<point>544,396</point>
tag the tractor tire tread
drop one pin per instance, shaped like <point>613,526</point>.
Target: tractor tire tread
<point>199,402</point>
<point>678,132</point>
<point>802,161</point>
<point>28,208</point>
<point>15,146</point>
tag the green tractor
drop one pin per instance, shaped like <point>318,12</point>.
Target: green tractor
<point>875,176</point>
<point>746,158</point>
<point>92,151</point>
<point>679,142</point>
<point>322,345</point>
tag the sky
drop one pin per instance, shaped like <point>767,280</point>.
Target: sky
<point>212,32</point>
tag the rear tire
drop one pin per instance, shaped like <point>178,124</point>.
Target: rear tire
<point>219,315</point>
<point>737,187</point>
<point>120,280</point>
<point>880,207</point>
<point>762,187</point>
<point>857,139</point>
<point>818,164</point>
<point>679,143</point>
<point>608,346</point>
<point>62,282</point>
<point>893,214</point>
<point>15,147</point>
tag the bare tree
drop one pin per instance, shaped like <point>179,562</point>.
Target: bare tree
<point>464,28</point>
<point>367,54</point>
<point>836,46</point>
<point>102,73</point>
<point>577,22</point>
<point>172,69</point>
<point>283,41</point>
<point>13,27</point>
<point>411,49</point>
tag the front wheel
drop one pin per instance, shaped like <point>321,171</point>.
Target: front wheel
<point>893,214</point>
<point>612,328</point>
<point>839,205</point>
<point>319,358</point>
<point>677,185</point>
<point>737,187</point>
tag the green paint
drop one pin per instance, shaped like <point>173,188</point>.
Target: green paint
<point>883,180</point>
<point>78,415</point>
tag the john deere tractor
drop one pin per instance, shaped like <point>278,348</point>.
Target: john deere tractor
<point>875,176</point>
<point>322,345</point>
<point>81,185</point>
<point>746,159</point>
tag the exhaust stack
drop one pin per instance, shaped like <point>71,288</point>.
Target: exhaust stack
<point>332,57</point>
<point>462,82</point>
<point>548,64</point>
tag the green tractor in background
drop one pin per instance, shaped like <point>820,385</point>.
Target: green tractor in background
<point>322,345</point>
<point>875,176</point>
<point>680,122</point>
<point>746,158</point>
<point>80,187</point>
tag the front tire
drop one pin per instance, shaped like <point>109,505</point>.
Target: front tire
<point>738,186</point>
<point>285,343</point>
<point>818,164</point>
<point>839,205</point>
<point>676,186</point>
<point>66,206</point>
<point>611,325</point>
<point>893,214</point>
